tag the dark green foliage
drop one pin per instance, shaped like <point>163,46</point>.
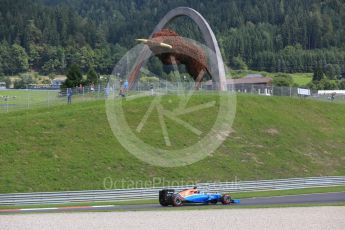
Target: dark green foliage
<point>269,35</point>
<point>238,63</point>
<point>7,80</point>
<point>92,77</point>
<point>342,84</point>
<point>74,77</point>
<point>326,84</point>
<point>332,71</point>
<point>14,59</point>
<point>318,74</point>
<point>282,80</point>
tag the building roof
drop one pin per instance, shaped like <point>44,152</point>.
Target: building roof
<point>254,75</point>
<point>250,80</point>
<point>245,80</point>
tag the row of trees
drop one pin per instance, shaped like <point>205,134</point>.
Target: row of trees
<point>295,59</point>
<point>14,59</point>
<point>75,77</point>
<point>272,35</point>
<point>323,83</point>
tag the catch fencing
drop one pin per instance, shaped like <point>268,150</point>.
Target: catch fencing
<point>152,193</point>
<point>13,100</point>
<point>25,99</point>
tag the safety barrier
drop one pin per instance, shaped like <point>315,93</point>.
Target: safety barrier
<point>152,193</point>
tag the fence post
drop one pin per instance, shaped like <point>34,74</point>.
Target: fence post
<point>290,91</point>
<point>28,104</point>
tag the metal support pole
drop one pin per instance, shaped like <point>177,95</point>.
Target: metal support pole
<point>290,91</point>
<point>28,96</point>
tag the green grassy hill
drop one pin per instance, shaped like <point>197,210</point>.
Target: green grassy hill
<point>73,148</point>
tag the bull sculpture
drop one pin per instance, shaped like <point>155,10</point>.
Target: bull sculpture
<point>172,49</point>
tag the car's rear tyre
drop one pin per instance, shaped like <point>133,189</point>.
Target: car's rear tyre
<point>177,200</point>
<point>226,199</point>
<point>165,197</point>
<point>163,203</point>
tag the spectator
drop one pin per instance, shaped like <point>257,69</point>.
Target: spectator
<point>151,88</point>
<point>80,88</point>
<point>107,91</point>
<point>69,95</point>
<point>122,92</point>
<point>125,85</point>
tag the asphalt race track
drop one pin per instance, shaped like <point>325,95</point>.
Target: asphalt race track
<point>334,197</point>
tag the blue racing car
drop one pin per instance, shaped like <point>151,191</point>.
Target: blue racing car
<point>170,197</point>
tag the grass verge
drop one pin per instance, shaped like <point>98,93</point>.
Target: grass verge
<point>71,147</point>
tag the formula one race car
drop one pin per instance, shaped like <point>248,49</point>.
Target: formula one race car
<point>169,197</point>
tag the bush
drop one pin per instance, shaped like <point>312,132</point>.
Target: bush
<point>342,84</point>
<point>24,81</point>
<point>282,80</point>
<point>312,85</point>
<point>326,84</point>
<point>332,71</point>
<point>149,80</point>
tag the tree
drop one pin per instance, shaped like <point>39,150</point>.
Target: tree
<point>92,77</point>
<point>32,34</point>
<point>1,70</point>
<point>20,60</point>
<point>51,76</point>
<point>24,81</point>
<point>74,77</point>
<point>238,63</point>
<point>8,82</point>
<point>97,34</point>
<point>332,71</point>
<point>51,66</point>
<point>318,74</point>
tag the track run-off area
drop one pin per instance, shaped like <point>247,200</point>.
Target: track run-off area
<point>308,199</point>
<point>325,217</point>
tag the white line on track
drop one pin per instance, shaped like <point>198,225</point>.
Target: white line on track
<point>306,194</point>
<point>36,209</point>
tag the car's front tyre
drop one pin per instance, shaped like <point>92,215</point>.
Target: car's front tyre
<point>226,199</point>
